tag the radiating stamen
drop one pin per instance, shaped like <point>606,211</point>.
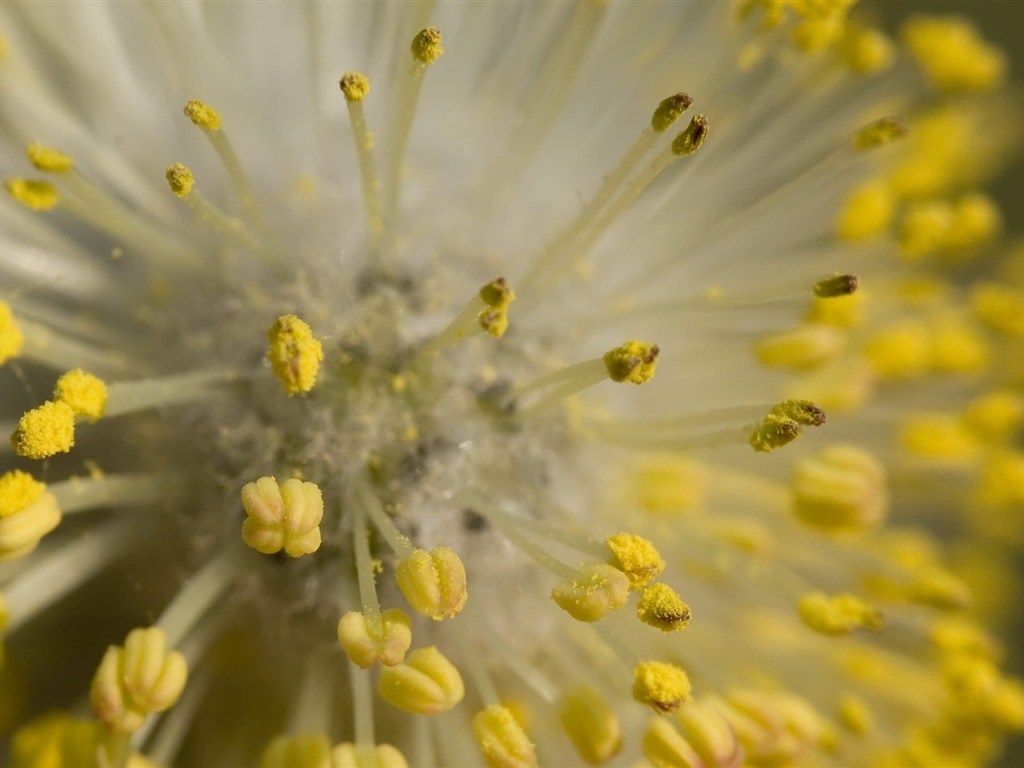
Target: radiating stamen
<point>182,184</point>
<point>486,312</point>
<point>356,87</point>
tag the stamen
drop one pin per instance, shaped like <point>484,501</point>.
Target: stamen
<point>11,337</point>
<point>45,431</point>
<point>356,87</point>
<point>433,582</point>
<point>485,312</point>
<point>48,159</point>
<point>838,615</point>
<point>594,591</point>
<point>426,683</point>
<point>664,687</point>
<point>591,724</point>
<point>282,517</point>
<point>295,354</point>
<point>124,397</point>
<point>365,648</point>
<point>27,513</point>
<point>182,184</point>
<point>879,133</point>
<point>34,194</point>
<point>636,557</point>
<point>502,739</point>
<point>426,49</point>
<point>661,607</point>
<point>839,285</point>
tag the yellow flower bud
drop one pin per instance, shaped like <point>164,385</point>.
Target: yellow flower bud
<point>365,647</point>
<point>426,683</point>
<point>591,723</point>
<point>502,739</point>
<point>597,591</point>
<point>433,582</point>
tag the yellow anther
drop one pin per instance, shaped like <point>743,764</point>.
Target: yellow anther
<point>665,687</point>
<point>976,222</point>
<point>282,517</point>
<point>866,51</point>
<point>433,582</point>
<point>839,311</point>
<point>45,431</point>
<point>773,432</point>
<point>995,416</point>
<point>180,179</point>
<point>347,755</point>
<point>634,361</point>
<point>938,588</point>
<point>49,159</point>
<point>925,228</point>
<point>294,354</point>
<point>502,739</point>
<point>670,110</point>
<point>27,513</point>
<point>85,393</point>
<point>958,347</point>
<point>842,489</point>
<point>203,115</point>
<point>855,715</point>
<point>33,193</point>
<point>137,680</point>
<point>666,484</point>
<point>939,437</point>
<point>879,133</point>
<point>836,286</point>
<point>999,306</point>
<point>591,723</point>
<point>807,346</point>
<point>710,735</point>
<point>803,412</point>
<point>426,683</point>
<point>869,210</point>
<point>839,614</point>
<point>355,86</point>
<point>11,337</point>
<point>690,140</point>
<point>597,590</point>
<point>307,750</point>
<point>497,296</point>
<point>636,557</point>
<point>774,728</point>
<point>899,351</point>
<point>660,606</point>
<point>426,46</point>
<point>367,642</point>
<point>956,636</point>
<point>953,55</point>
<point>58,740</point>
<point>665,747</point>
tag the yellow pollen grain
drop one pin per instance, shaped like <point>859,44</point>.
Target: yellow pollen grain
<point>203,115</point>
<point>11,337</point>
<point>45,431</point>
<point>33,193</point>
<point>355,86</point>
<point>85,393</point>
<point>953,55</point>
<point>294,354</point>
<point>426,46</point>
<point>634,361</point>
<point>868,211</point>
<point>49,159</point>
<point>636,557</point>
<point>18,490</point>
<point>180,179</point>
<point>661,607</point>
<point>664,687</point>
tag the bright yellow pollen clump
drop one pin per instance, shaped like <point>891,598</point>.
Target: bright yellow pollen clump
<point>497,296</point>
<point>636,557</point>
<point>598,589</point>
<point>282,517</point>
<point>11,337</point>
<point>203,115</point>
<point>502,739</point>
<point>634,362</point>
<point>591,724</point>
<point>953,54</point>
<point>294,354</point>
<point>180,179</point>
<point>661,607</point>
<point>866,50</point>
<point>426,46</point>
<point>85,393</point>
<point>355,86</point>
<point>784,423</point>
<point>49,159</point>
<point>665,687</point>
<point>434,582</point>
<point>32,193</point>
<point>837,615</point>
<point>426,683</point>
<point>27,513</point>
<point>45,431</point>
<point>670,110</point>
<point>139,679</point>
<point>869,210</point>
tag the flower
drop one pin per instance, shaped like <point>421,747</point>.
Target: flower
<point>468,234</point>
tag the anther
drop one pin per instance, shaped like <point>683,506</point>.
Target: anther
<point>365,646</point>
<point>597,590</point>
<point>634,361</point>
<point>660,606</point>
<point>11,338</point>
<point>294,354</point>
<point>879,133</point>
<point>180,179</point>
<point>45,431</point>
<point>433,582</point>
<point>348,755</point>
<point>636,557</point>
<point>664,687</point>
<point>690,140</point>
<point>839,614</point>
<point>203,115</point>
<point>502,739</point>
<point>591,723</point>
<point>282,517</point>
<point>304,750</point>
<point>27,513</point>
<point>426,683</point>
<point>841,489</point>
<point>33,193</point>
<point>48,159</point>
<point>839,285</point>
<point>670,110</point>
<point>426,46</point>
<point>84,393</point>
